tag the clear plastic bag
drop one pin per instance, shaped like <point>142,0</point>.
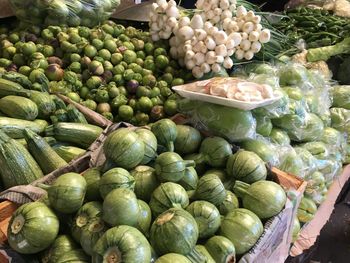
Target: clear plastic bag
<point>310,162</point>
<point>301,128</point>
<point>233,124</point>
<point>64,12</point>
<point>341,119</point>
<point>292,162</point>
<point>264,148</point>
<point>341,96</point>
<point>263,125</point>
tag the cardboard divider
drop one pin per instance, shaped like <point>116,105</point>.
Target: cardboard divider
<point>311,230</point>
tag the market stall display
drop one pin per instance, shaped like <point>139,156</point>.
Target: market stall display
<point>230,131</point>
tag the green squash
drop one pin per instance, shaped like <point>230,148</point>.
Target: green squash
<point>67,193</point>
<point>175,231</point>
<point>263,125</point>
<point>296,229</point>
<point>172,258</point>
<point>150,141</point>
<point>120,207</point>
<point>263,198</point>
<point>228,182</point>
<point>145,218</point>
<point>280,137</point>
<point>88,212</point>
<point>207,217</point>
<point>216,151</point>
<point>190,180</point>
<point>166,133</point>
<point>229,204</point>
<point>125,148</point>
<point>203,253</point>
<point>91,233</point>
<point>201,165</point>
<point>33,227</point>
<point>243,228</point>
<point>306,210</point>
<point>122,244</point>
<point>246,166</point>
<point>92,177</point>
<point>221,249</point>
<point>188,139</point>
<point>170,167</point>
<point>61,245</point>
<point>115,178</point>
<point>168,195</point>
<point>211,189</point>
<point>76,255</point>
<point>263,149</point>
<point>145,182</point>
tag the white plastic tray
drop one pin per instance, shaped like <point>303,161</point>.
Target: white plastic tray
<point>243,105</point>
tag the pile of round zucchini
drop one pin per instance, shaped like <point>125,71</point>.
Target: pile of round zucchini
<point>164,194</point>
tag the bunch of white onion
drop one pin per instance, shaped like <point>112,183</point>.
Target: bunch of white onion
<point>163,19</point>
<point>202,47</point>
<point>253,35</point>
<point>216,11</point>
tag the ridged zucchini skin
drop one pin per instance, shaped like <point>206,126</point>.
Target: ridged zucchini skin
<point>75,115</point>
<point>8,88</point>
<point>18,78</point>
<point>80,134</point>
<point>68,153</point>
<point>19,107</point>
<point>42,152</point>
<point>60,105</point>
<point>18,167</point>
<point>46,106</point>
<point>15,127</point>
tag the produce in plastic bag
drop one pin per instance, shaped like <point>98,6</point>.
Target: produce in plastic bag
<point>291,162</point>
<point>306,210</point>
<point>335,140</point>
<point>233,124</point>
<point>310,161</point>
<point>279,136</point>
<point>276,109</point>
<point>263,125</point>
<point>341,96</point>
<point>64,12</point>
<point>262,147</point>
<point>316,188</point>
<point>293,74</point>
<point>341,119</point>
<point>318,149</point>
<point>301,129</point>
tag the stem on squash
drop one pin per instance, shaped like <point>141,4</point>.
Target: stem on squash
<point>17,224</point>
<point>170,146</point>
<point>113,255</point>
<point>43,186</point>
<point>190,163</point>
<point>240,188</point>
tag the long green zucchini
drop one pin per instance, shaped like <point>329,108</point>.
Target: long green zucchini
<point>18,167</point>
<point>42,152</point>
<point>68,153</point>
<point>19,107</point>
<point>8,88</point>
<point>15,127</point>
<point>80,134</point>
<point>50,140</point>
<point>46,106</point>
<point>75,115</point>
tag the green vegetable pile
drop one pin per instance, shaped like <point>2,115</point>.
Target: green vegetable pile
<point>164,194</point>
<point>118,72</point>
<point>25,154</point>
<point>316,26</point>
<point>64,12</point>
<point>305,133</point>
